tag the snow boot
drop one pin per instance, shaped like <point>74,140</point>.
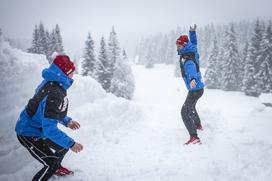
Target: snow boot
<point>193,140</point>
<point>62,171</point>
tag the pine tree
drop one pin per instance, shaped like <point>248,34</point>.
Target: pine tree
<point>171,52</point>
<point>48,50</point>
<point>103,74</point>
<point>231,65</point>
<point>122,84</point>
<point>34,46</point>
<point>113,51</point>
<point>1,32</point>
<point>244,57</point>
<point>149,59</point>
<point>89,61</point>
<point>252,66</point>
<point>211,75</point>
<point>52,44</point>
<point>59,46</point>
<point>264,76</point>
<point>41,42</point>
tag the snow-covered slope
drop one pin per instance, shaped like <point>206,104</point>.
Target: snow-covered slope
<point>142,140</point>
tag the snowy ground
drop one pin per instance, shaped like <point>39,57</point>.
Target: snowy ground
<point>142,140</point>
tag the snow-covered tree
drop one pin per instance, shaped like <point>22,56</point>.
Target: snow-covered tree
<point>250,84</point>
<point>34,45</point>
<point>103,74</point>
<point>113,51</point>
<point>264,76</point>
<point>230,69</point>
<point>89,60</point>
<point>59,45</point>
<point>171,49</point>
<point>48,50</point>
<point>149,58</point>
<point>41,42</point>
<point>268,50</point>
<point>211,75</point>
<point>123,84</point>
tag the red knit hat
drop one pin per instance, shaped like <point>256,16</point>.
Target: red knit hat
<point>65,64</point>
<point>182,40</point>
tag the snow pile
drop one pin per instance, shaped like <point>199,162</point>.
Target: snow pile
<point>266,99</point>
<point>103,117</point>
<point>20,74</point>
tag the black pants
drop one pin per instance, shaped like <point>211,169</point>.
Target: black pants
<point>188,112</point>
<point>40,149</point>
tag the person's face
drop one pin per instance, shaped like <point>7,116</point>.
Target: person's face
<point>179,47</point>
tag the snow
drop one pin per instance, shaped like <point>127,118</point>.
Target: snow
<point>142,139</point>
<point>266,98</point>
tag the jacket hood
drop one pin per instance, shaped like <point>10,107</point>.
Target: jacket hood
<point>54,73</point>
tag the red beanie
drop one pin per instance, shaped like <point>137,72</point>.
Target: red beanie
<point>182,39</point>
<point>65,64</point>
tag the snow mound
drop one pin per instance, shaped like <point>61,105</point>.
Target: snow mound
<point>266,99</point>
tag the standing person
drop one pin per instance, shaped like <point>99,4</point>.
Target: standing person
<point>37,128</point>
<point>189,64</point>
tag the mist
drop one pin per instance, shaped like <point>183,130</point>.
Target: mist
<point>131,19</point>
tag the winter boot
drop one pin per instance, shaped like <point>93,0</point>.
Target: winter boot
<point>193,140</point>
<point>61,171</point>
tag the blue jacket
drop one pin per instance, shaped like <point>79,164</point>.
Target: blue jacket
<point>47,108</point>
<point>189,66</point>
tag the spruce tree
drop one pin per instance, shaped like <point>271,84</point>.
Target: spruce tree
<point>252,66</point>
<point>232,61</point>
<point>59,45</point>
<point>211,75</point>
<point>41,42</point>
<point>264,76</point>
<point>48,51</point>
<point>122,84</point>
<point>34,45</point>
<point>113,51</point>
<point>103,74</point>
<point>149,58</point>
<point>89,61</point>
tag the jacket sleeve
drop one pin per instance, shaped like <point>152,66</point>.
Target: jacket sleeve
<point>65,121</point>
<point>193,38</point>
<point>52,132</point>
<point>191,70</point>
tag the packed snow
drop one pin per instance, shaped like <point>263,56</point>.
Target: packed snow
<point>141,139</point>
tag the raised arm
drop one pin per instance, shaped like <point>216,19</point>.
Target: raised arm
<point>192,34</point>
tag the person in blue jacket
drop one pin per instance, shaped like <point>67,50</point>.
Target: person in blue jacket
<point>37,128</point>
<point>189,64</point>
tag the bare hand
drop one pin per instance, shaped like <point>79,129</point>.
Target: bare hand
<point>77,147</point>
<point>193,27</point>
<point>73,125</point>
<point>193,83</point>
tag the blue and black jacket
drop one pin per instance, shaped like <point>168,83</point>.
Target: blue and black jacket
<point>190,65</point>
<point>47,108</point>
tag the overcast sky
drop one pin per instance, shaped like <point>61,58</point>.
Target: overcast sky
<point>131,18</point>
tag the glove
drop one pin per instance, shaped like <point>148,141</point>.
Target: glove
<point>193,27</point>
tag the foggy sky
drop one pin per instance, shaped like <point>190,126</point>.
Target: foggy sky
<point>131,18</point>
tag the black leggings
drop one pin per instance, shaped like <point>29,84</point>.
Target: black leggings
<point>40,149</point>
<point>188,112</point>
